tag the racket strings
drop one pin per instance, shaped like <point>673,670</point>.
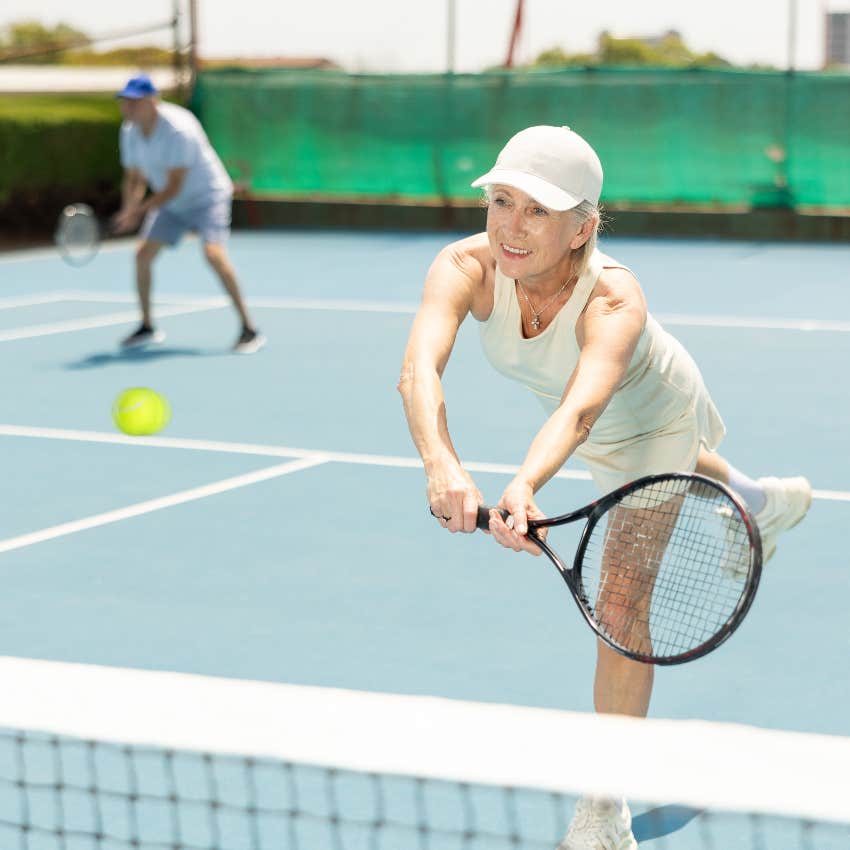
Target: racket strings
<point>78,232</point>
<point>666,568</point>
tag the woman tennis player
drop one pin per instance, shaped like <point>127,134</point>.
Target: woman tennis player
<point>571,324</point>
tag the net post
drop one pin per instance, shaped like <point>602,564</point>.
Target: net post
<point>193,43</point>
<point>450,37</point>
<point>176,52</point>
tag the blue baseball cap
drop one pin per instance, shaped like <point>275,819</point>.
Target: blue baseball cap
<point>138,87</point>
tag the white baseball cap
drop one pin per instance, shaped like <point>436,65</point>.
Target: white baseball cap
<point>552,164</point>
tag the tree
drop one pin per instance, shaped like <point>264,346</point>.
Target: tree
<point>666,51</point>
<point>556,57</point>
<point>32,42</point>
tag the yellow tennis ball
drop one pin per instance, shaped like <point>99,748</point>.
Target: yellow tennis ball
<point>139,411</point>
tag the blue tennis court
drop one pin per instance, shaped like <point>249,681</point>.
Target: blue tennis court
<point>278,529</point>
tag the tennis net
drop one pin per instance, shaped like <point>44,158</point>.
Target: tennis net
<point>94,757</point>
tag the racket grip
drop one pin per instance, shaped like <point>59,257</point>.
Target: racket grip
<point>483,521</point>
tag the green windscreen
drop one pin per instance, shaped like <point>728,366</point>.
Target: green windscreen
<point>666,137</point>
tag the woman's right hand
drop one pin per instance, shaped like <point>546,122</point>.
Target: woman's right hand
<point>453,497</point>
<point>518,501</point>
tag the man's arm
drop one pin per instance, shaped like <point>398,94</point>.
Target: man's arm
<point>134,205</point>
<point>133,188</point>
<point>176,178</point>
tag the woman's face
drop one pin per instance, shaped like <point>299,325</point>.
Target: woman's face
<point>527,239</point>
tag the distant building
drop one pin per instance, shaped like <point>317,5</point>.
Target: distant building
<point>837,39</point>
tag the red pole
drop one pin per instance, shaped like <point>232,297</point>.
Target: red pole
<point>509,61</point>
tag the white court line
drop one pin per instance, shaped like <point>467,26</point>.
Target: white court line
<point>258,449</point>
<point>50,253</point>
<point>754,323</point>
<point>831,495</point>
<point>157,504</point>
<point>132,298</point>
<point>32,300</point>
<point>31,331</point>
<point>289,451</point>
<point>275,303</point>
<point>27,254</point>
<point>330,304</point>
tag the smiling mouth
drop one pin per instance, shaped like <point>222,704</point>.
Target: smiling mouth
<point>515,252</point>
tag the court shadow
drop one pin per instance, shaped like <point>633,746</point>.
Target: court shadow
<point>112,358</point>
<point>662,821</point>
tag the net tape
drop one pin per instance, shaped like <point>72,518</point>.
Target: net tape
<point>99,757</point>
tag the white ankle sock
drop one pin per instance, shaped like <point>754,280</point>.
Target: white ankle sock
<point>751,491</point>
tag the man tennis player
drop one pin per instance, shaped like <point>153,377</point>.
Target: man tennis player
<point>164,147</point>
<point>570,324</point>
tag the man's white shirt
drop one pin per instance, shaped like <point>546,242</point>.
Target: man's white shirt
<point>178,141</point>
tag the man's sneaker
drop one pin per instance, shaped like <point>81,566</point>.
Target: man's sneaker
<point>249,341</point>
<point>600,823</point>
<point>787,501</point>
<point>144,335</point>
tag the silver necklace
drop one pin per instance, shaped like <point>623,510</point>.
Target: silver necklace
<point>535,313</point>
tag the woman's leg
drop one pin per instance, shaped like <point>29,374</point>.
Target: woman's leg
<point>777,503</point>
<point>716,467</point>
<point>621,686</point>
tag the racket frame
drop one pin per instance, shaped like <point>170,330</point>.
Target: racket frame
<point>594,512</point>
<point>60,239</point>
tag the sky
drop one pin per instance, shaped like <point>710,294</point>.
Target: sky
<point>398,36</point>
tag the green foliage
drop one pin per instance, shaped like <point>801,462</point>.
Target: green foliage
<point>669,51</point>
<point>43,43</point>
<point>30,42</point>
<point>556,57</point>
<point>56,108</point>
<point>58,143</point>
<point>137,57</point>
<point>624,51</point>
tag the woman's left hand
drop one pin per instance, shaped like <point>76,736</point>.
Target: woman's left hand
<point>518,500</point>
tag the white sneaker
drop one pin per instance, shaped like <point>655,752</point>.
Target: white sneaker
<point>143,336</point>
<point>787,502</point>
<point>249,342</point>
<point>600,823</point>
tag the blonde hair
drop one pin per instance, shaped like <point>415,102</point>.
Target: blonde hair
<point>582,213</point>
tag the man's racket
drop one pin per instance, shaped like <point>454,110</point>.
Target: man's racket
<point>666,567</point>
<point>78,234</point>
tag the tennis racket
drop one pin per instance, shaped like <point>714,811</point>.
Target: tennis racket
<point>666,567</point>
<point>78,234</point>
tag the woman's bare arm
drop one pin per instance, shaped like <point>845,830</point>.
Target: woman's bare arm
<point>451,288</point>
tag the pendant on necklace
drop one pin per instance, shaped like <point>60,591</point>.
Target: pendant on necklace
<point>535,322</point>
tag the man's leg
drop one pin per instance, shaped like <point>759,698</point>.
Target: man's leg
<point>250,339</point>
<point>216,256</point>
<point>146,252</point>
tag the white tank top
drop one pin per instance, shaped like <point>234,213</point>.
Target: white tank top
<point>661,384</point>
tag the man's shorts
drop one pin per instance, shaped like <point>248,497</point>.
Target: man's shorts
<point>211,221</point>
